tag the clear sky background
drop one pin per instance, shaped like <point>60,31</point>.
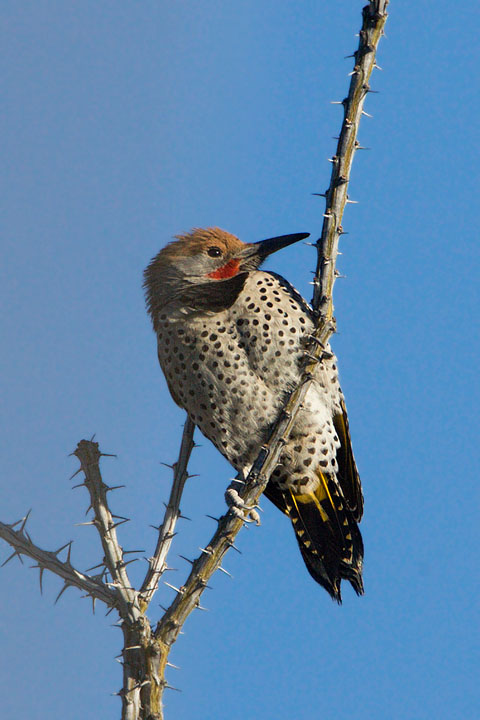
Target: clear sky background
<point>127,122</point>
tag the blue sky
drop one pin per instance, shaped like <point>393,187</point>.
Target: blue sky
<point>128,122</point>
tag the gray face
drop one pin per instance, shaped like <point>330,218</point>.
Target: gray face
<point>198,267</point>
<point>195,281</point>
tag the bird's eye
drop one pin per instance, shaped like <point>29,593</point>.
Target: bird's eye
<point>214,251</point>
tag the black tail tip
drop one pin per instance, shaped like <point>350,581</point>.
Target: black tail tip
<point>335,592</point>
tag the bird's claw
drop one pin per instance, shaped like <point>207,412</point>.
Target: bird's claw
<point>247,513</point>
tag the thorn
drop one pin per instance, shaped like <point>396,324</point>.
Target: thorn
<point>169,664</point>
<point>177,590</point>
<point>66,585</point>
<point>170,687</point>
<point>93,437</point>
<point>339,275</point>
<point>69,544</point>
<point>361,147</point>
<point>129,552</point>
<point>91,522</point>
<point>108,455</point>
<point>234,547</point>
<point>41,569</point>
<point>184,517</point>
<point>24,521</point>
<point>377,67</point>
<point>200,607</point>
<point>186,559</point>
<point>345,57</point>
<point>222,569</point>
<point>167,465</point>
<point>192,475</point>
<point>364,112</point>
<point>82,484</point>
<point>120,522</point>
<point>75,473</point>
<point>318,195</point>
<point>133,647</point>
<point>124,564</point>
<point>352,202</point>
<point>207,552</point>
<point>217,520</point>
<point>337,102</point>
<point>114,487</point>
<point>12,556</point>
<point>94,567</point>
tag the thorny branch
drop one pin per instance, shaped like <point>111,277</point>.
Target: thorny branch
<point>48,560</point>
<point>89,455</point>
<point>145,652</point>
<point>158,563</point>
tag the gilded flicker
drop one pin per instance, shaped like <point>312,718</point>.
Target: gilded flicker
<point>231,343</point>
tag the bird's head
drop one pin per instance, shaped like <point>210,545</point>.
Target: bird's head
<point>205,269</point>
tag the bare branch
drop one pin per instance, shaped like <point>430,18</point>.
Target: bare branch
<point>89,455</point>
<point>166,532</point>
<point>336,197</point>
<point>48,560</point>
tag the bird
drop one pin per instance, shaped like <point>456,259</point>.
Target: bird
<point>231,343</point>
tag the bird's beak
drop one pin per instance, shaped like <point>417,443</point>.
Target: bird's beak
<point>255,253</point>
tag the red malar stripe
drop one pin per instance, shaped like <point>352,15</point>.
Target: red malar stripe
<point>226,271</point>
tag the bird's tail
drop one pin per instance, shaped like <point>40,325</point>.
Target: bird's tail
<point>327,534</point>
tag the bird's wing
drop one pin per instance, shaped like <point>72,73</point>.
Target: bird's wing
<point>347,475</point>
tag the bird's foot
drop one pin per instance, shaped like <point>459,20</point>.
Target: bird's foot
<point>247,513</point>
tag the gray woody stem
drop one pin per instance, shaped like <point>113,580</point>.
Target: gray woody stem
<point>374,18</point>
<point>158,563</point>
<point>89,456</point>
